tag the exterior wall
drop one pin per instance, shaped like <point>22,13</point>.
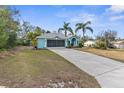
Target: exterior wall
<point>89,43</point>
<point>116,45</point>
<point>70,40</point>
<point>66,42</point>
<point>41,43</point>
<point>77,42</point>
<point>121,46</point>
<point>45,43</point>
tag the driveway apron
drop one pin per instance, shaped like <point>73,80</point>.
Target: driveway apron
<point>108,72</point>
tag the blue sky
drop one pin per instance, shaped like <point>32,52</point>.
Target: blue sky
<point>103,17</point>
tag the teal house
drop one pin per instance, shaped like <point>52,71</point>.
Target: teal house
<point>56,40</point>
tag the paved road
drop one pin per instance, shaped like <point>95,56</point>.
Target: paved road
<point>108,72</point>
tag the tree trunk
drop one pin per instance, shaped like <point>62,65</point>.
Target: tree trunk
<point>83,35</point>
<point>65,33</point>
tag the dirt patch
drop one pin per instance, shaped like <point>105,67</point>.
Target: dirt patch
<point>12,52</point>
<point>4,54</point>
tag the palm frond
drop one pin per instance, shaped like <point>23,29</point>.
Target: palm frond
<point>78,24</point>
<point>70,30</point>
<point>89,28</point>
<point>66,24</point>
<point>60,29</point>
<point>88,22</point>
<point>78,28</point>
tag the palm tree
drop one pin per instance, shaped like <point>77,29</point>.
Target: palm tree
<point>32,35</point>
<point>66,28</point>
<point>84,27</point>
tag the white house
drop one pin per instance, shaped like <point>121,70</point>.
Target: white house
<point>118,44</point>
<point>89,43</point>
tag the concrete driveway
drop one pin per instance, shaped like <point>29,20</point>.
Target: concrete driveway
<point>108,72</point>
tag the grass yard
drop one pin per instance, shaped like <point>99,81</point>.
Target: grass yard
<point>116,54</point>
<point>24,67</point>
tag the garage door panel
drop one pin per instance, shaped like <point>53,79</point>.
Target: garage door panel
<point>55,43</point>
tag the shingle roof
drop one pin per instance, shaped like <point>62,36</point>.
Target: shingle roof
<point>52,36</point>
<point>118,42</point>
<point>55,35</point>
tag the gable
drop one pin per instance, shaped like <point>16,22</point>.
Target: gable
<point>71,37</point>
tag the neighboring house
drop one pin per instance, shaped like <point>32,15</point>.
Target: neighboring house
<point>89,43</point>
<point>56,40</point>
<point>118,44</point>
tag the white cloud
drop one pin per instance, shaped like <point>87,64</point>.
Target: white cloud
<point>62,15</point>
<point>115,9</point>
<point>114,12</point>
<point>114,18</point>
<point>83,17</point>
<point>74,17</point>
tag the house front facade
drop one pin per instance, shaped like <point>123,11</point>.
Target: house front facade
<point>56,40</point>
<point>118,44</point>
<point>89,43</point>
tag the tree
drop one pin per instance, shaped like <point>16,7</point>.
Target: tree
<point>25,28</point>
<point>107,36</point>
<point>9,25</point>
<point>32,35</point>
<point>48,31</point>
<point>43,30</point>
<point>11,42</point>
<point>84,27</point>
<point>3,39</point>
<point>7,20</point>
<point>66,28</point>
<point>38,31</point>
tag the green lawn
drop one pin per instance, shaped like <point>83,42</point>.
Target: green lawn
<point>41,68</point>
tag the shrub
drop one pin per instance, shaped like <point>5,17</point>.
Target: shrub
<point>3,39</point>
<point>80,45</point>
<point>11,42</point>
<point>100,44</point>
<point>26,42</point>
<point>23,42</point>
<point>69,46</point>
<point>3,49</point>
<point>19,41</point>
